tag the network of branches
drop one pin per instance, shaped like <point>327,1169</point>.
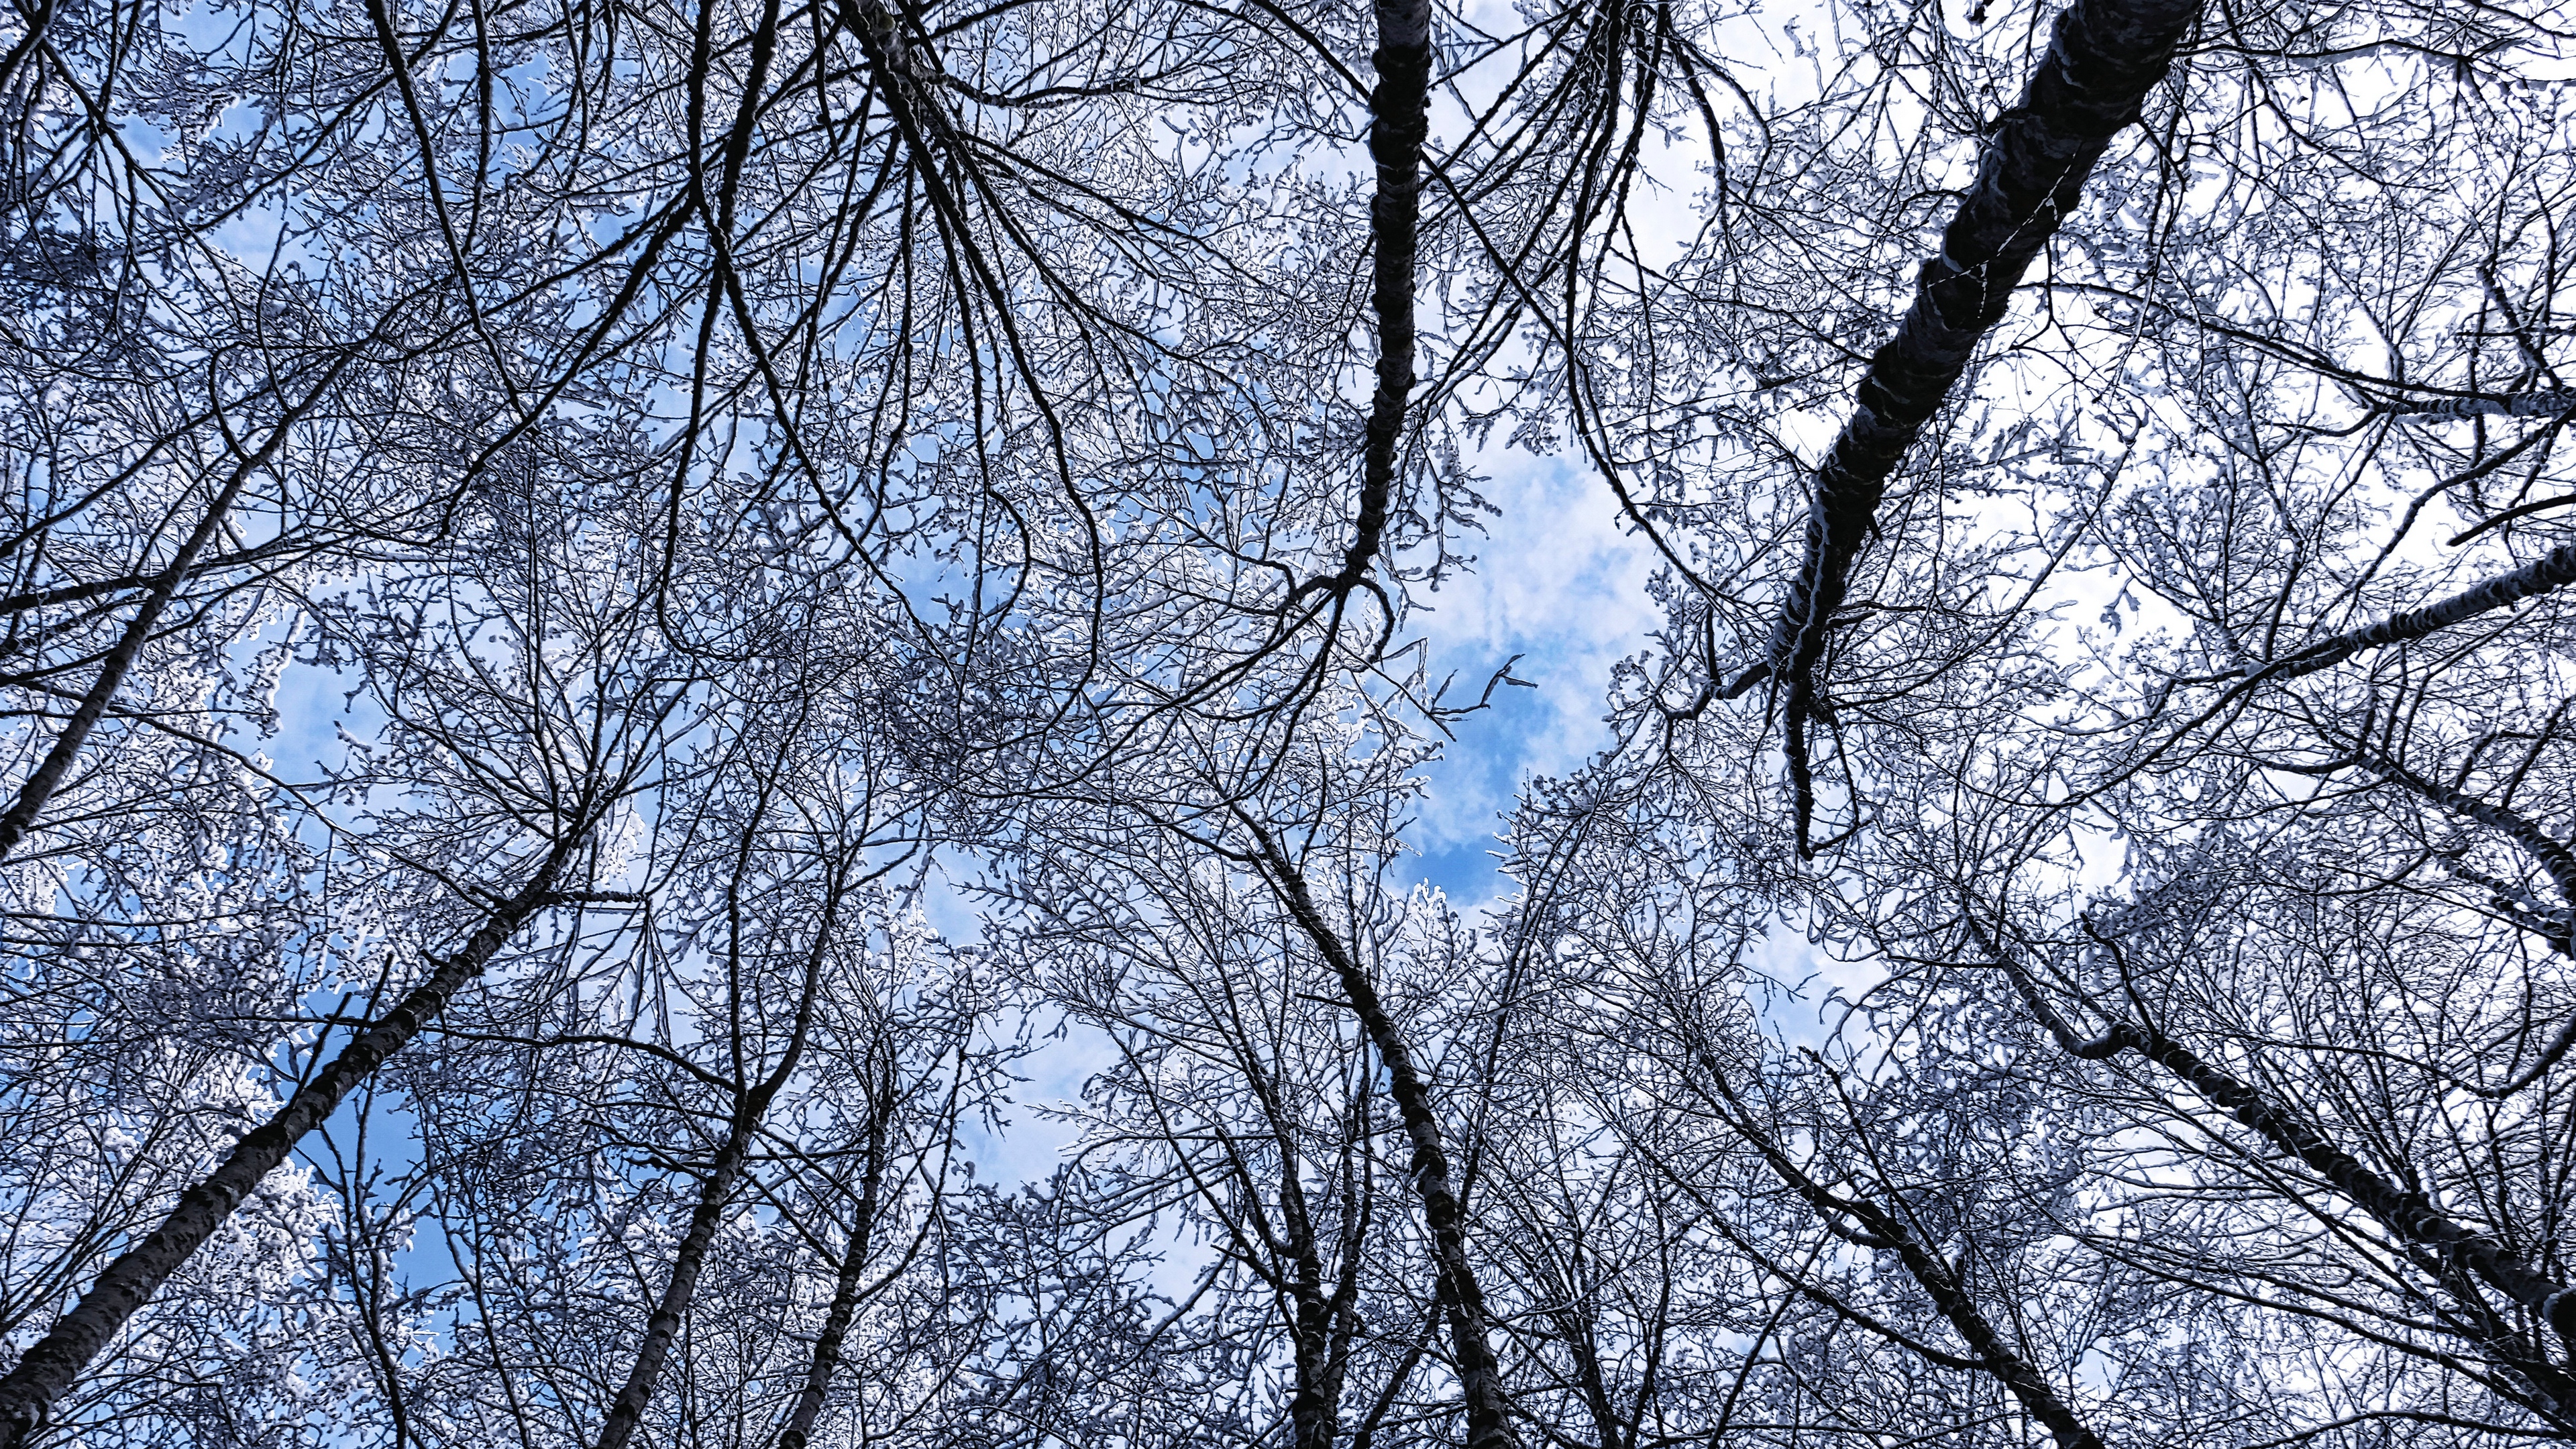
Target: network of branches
<point>714,717</point>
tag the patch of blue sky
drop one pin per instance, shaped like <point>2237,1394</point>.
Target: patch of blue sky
<point>1559,581</point>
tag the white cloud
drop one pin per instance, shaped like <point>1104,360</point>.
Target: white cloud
<point>1562,584</point>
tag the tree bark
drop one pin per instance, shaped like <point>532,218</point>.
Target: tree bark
<point>2521,405</point>
<point>48,1369</point>
<point>1399,115</point>
<point>2544,848</point>
<point>845,1287</point>
<point>751,1103</point>
<point>1480,1376</point>
<point>662,1329</point>
<point>1399,108</point>
<point>2103,58</point>
<point>1323,1313</point>
<point>1314,1404</point>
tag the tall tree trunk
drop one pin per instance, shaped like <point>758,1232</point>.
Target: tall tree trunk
<point>1399,114</point>
<point>1942,1283</point>
<point>663,1328</point>
<point>1314,1404</point>
<point>1326,1318</point>
<point>2103,58</point>
<point>2548,573</point>
<point>828,1343</point>
<point>1480,1376</point>
<point>29,1390</point>
<point>846,1287</point>
<point>48,777</point>
<point>751,1104</point>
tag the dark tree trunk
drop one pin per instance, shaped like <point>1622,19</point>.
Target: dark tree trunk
<point>1943,1284</point>
<point>1480,1376</point>
<point>1399,107</point>
<point>661,1330</point>
<point>2552,571</point>
<point>40,786</point>
<point>751,1104</point>
<point>48,1369</point>
<point>2103,58</point>
<point>2449,1249</point>
<point>846,1286</point>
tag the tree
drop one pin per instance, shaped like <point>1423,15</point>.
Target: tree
<point>549,544</point>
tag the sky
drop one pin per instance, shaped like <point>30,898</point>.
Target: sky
<point>1559,582</point>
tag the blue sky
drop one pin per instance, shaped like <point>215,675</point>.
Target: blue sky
<point>1560,583</point>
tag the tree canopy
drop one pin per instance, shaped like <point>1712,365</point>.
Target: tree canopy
<point>717,717</point>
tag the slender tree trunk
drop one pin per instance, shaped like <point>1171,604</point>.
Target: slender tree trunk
<point>1947,1290</point>
<point>1314,1411</point>
<point>1950,1294</point>
<point>1480,1376</point>
<point>29,1390</point>
<point>1399,112</point>
<point>1328,1320</point>
<point>828,1344</point>
<point>40,786</point>
<point>2545,849</point>
<point>2522,405</point>
<point>2548,573</point>
<point>1314,1404</point>
<point>2439,1243</point>
<point>663,1328</point>
<point>845,1288</point>
<point>1575,1330</point>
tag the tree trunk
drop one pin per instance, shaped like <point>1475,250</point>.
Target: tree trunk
<point>1399,110</point>
<point>1480,1376</point>
<point>827,1344</point>
<point>1948,1291</point>
<point>40,786</point>
<point>2551,571</point>
<point>663,1328</point>
<point>2448,1248</point>
<point>845,1288</point>
<point>48,1369</point>
<point>2103,58</point>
